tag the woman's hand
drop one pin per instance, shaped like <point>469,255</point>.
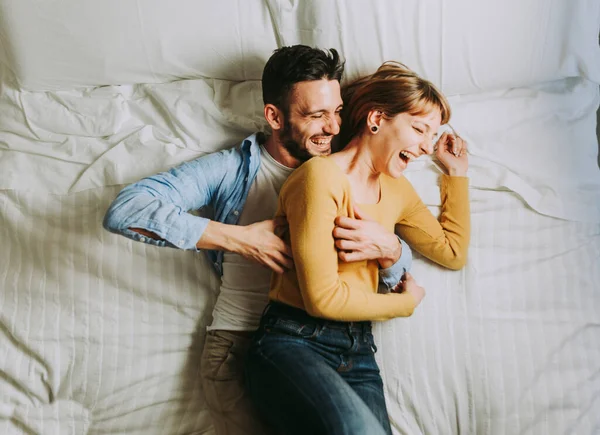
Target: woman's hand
<point>409,285</point>
<point>452,153</point>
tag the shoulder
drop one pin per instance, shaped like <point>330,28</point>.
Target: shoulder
<point>227,161</point>
<point>321,170</point>
<point>319,174</point>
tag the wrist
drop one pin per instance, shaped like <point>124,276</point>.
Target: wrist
<point>222,237</point>
<point>392,255</point>
<point>453,172</point>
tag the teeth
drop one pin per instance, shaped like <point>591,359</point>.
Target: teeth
<point>408,156</point>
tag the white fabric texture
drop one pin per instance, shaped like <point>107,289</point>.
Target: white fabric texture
<point>462,45</point>
<point>62,44</point>
<point>103,335</point>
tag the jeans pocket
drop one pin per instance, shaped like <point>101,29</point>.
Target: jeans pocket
<point>293,328</point>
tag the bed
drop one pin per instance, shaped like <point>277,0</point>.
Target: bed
<point>103,335</point>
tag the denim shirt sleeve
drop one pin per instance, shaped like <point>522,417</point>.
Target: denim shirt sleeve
<point>389,277</point>
<point>160,203</point>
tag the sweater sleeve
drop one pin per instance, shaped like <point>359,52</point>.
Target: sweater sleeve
<point>311,203</point>
<point>445,241</point>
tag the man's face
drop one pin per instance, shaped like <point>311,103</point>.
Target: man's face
<point>313,118</point>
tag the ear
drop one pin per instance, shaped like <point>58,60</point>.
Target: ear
<point>274,116</point>
<point>374,119</point>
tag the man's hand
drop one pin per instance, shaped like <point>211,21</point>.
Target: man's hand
<point>363,238</point>
<point>257,242</point>
<point>261,244</point>
<point>409,285</point>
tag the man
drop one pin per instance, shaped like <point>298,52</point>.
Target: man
<point>302,104</point>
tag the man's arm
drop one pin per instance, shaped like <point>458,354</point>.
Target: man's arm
<point>155,210</point>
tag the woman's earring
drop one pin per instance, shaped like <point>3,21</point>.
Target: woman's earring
<point>374,129</point>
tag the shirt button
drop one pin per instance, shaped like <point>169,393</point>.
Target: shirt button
<point>142,239</point>
<point>235,212</point>
<point>181,242</point>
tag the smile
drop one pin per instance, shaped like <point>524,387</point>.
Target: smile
<point>321,142</point>
<point>406,157</point>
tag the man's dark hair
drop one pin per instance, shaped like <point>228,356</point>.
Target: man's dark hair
<point>297,63</point>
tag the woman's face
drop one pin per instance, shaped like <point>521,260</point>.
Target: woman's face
<point>403,138</point>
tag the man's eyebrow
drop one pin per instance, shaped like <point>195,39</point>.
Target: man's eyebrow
<point>312,112</point>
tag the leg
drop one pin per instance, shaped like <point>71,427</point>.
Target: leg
<point>299,391</point>
<point>362,374</point>
<point>222,372</point>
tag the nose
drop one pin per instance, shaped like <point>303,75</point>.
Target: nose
<point>332,126</point>
<point>427,146</point>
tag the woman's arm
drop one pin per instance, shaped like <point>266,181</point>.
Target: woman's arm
<point>311,200</point>
<point>445,241</point>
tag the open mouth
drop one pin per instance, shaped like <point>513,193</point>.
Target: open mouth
<point>406,157</point>
<point>321,142</point>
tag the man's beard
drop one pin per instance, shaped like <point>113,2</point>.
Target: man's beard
<point>292,146</point>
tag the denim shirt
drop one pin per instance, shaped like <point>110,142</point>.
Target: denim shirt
<point>219,181</point>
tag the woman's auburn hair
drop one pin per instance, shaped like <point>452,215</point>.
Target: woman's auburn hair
<point>392,89</point>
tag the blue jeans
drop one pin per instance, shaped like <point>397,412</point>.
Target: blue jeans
<point>314,376</point>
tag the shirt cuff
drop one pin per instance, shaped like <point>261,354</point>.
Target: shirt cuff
<point>391,276</point>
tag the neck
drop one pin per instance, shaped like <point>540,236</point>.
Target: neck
<point>276,149</point>
<point>356,161</point>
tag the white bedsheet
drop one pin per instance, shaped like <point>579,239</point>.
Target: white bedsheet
<point>464,46</point>
<point>102,335</point>
<point>537,141</point>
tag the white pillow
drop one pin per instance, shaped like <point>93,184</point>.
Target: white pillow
<point>61,44</point>
<point>463,45</point>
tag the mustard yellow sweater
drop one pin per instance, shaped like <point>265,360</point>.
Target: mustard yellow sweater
<point>324,287</point>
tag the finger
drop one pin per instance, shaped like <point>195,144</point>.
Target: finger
<point>408,277</point>
<point>460,144</point>
<point>272,265</point>
<point>282,261</point>
<point>346,245</point>
<point>464,147</point>
<point>453,146</point>
<point>347,222</point>
<point>441,141</point>
<point>343,234</point>
<point>350,256</point>
<point>281,247</point>
<point>287,250</point>
<point>456,146</point>
<point>442,144</point>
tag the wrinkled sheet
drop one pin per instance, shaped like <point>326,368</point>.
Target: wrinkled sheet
<point>102,335</point>
<point>538,141</point>
<point>464,46</point>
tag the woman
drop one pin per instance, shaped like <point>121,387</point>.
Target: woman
<point>311,368</point>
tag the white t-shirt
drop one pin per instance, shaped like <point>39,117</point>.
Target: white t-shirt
<point>245,284</point>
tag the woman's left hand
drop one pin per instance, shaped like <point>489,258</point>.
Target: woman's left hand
<point>452,153</point>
